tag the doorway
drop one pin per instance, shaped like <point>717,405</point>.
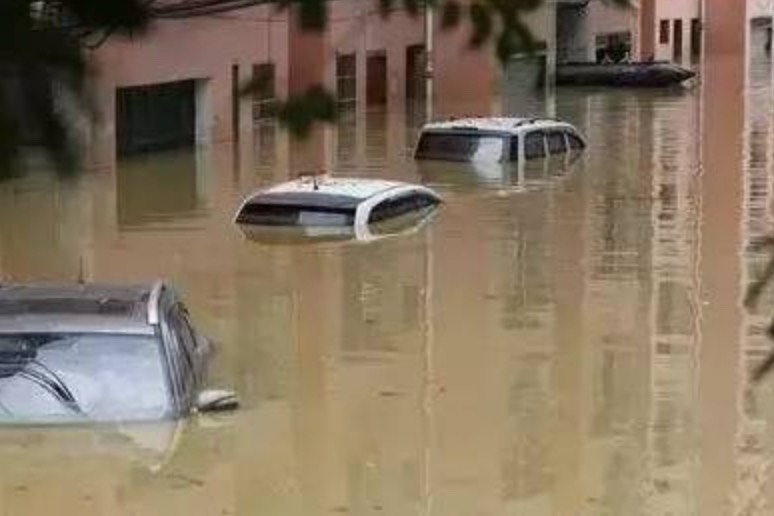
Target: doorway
<point>376,79</point>
<point>677,41</point>
<point>155,117</point>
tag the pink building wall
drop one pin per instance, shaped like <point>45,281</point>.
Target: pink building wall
<point>203,49</point>
<point>357,27</point>
<point>206,49</point>
<point>685,10</point>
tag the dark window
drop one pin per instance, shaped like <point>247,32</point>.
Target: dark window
<point>284,215</point>
<point>556,143</point>
<point>235,102</point>
<point>376,79</point>
<point>156,117</point>
<point>463,146</point>
<point>613,47</point>
<point>663,32</point>
<point>346,77</point>
<point>575,142</point>
<point>265,95</point>
<point>402,205</point>
<point>534,147</point>
<point>677,40</point>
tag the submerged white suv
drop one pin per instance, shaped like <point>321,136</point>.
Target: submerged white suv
<point>496,139</point>
<point>321,207</point>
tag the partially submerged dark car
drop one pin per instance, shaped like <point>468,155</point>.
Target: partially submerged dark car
<point>74,353</point>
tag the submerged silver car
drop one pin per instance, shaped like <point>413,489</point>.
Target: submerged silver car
<point>91,352</point>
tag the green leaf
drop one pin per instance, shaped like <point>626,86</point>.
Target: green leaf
<point>385,7</point>
<point>299,113</point>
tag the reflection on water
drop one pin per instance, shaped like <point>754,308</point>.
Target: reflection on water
<point>155,187</point>
<point>538,348</point>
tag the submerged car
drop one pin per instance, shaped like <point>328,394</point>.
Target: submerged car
<point>322,207</point>
<point>94,352</point>
<point>496,139</point>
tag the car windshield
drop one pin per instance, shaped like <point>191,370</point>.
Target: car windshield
<point>75,377</point>
<point>266,214</point>
<point>463,146</point>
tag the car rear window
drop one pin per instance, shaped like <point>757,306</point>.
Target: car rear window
<point>402,205</point>
<point>291,215</point>
<point>463,146</point>
<point>77,377</point>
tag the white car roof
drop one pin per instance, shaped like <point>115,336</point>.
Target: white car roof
<point>324,185</point>
<point>497,124</point>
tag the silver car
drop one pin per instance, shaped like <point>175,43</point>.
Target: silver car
<point>497,140</point>
<point>92,352</point>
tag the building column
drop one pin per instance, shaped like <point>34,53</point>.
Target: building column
<point>647,20</point>
<point>721,317</point>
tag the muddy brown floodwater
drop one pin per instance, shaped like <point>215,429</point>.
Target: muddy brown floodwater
<point>569,345</point>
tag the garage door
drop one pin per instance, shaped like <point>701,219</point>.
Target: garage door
<point>155,117</point>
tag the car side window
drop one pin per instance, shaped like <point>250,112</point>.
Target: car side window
<point>185,343</point>
<point>514,151</point>
<point>575,142</point>
<point>534,146</point>
<point>401,205</point>
<point>556,143</point>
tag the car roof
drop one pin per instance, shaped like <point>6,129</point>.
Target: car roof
<point>324,192</point>
<point>77,307</point>
<point>357,188</point>
<point>510,125</point>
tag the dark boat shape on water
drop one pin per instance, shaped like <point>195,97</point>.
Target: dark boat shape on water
<point>642,74</point>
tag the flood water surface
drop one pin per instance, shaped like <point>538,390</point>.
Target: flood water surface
<point>549,344</point>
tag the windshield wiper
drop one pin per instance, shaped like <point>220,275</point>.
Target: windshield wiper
<point>51,382</point>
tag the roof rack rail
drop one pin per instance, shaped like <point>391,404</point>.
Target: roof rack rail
<point>535,119</point>
<point>153,302</point>
<point>525,121</point>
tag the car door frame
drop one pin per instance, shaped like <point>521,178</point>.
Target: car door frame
<point>523,143</point>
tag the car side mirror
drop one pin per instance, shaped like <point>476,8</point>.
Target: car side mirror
<point>216,400</point>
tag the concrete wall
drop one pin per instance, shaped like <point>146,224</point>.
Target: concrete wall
<point>760,8</point>
<point>575,40</point>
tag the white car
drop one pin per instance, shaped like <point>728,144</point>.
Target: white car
<point>325,207</point>
<point>496,139</point>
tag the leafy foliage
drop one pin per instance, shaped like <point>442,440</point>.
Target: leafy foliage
<point>42,62</point>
